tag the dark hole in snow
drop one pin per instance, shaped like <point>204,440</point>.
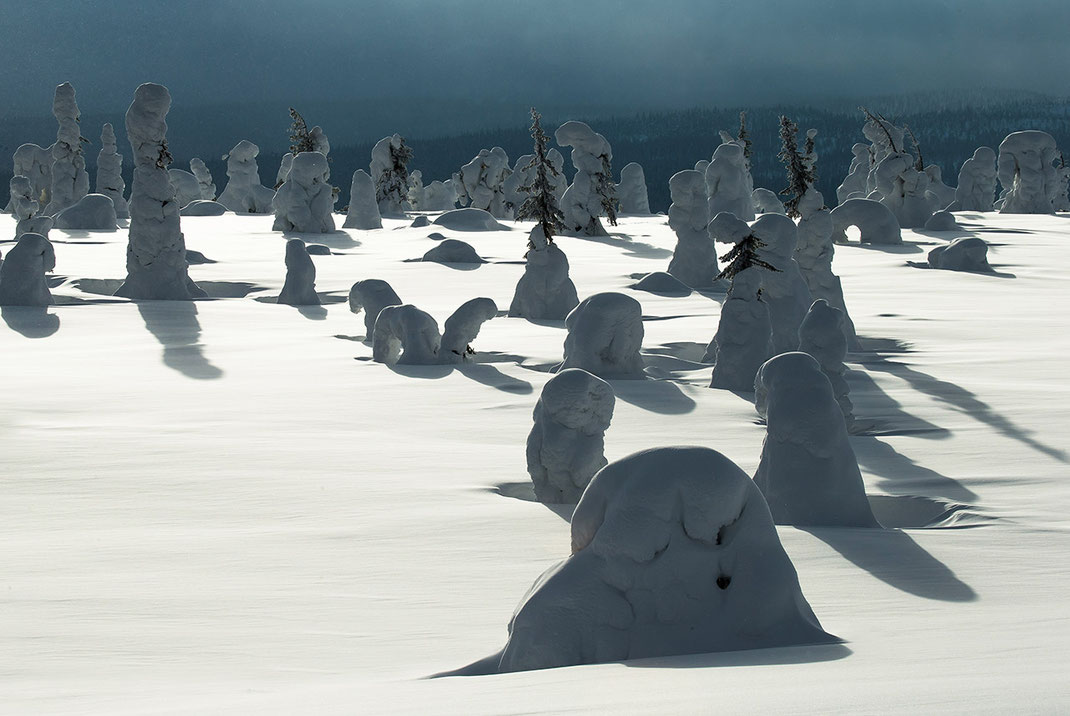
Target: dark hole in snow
<point>723,581</point>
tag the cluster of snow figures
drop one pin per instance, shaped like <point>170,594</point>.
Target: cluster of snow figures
<point>305,201</point>
<point>673,552</point>
<point>590,196</point>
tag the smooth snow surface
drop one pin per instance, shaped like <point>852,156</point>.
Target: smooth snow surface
<point>225,507</point>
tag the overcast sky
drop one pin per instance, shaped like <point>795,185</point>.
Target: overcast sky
<point>620,52</point>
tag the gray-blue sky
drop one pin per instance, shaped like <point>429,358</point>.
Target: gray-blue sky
<point>629,54</point>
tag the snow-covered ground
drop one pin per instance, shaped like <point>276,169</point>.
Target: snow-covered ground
<point>226,507</point>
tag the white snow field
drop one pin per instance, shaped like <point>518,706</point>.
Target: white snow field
<point>224,506</point>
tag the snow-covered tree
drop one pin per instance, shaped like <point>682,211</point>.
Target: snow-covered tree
<point>800,172</point>
<point>541,204</point>
<point>70,181</point>
<point>389,169</point>
<point>110,172</point>
<point>592,193</point>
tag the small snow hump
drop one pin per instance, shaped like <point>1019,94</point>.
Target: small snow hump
<point>673,552</point>
<point>968,253</point>
<point>468,219</point>
<point>808,471</point>
<point>453,251</point>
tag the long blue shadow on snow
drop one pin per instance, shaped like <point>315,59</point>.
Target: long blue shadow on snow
<point>30,321</point>
<point>174,324</point>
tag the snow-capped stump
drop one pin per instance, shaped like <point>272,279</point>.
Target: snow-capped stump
<point>22,273</point>
<point>605,333</point>
<point>814,253</point>
<point>34,163</point>
<point>110,172</point>
<point>591,193</point>
<point>566,444</point>
<point>808,472</point>
<point>244,193</point>
<point>203,207</point>
<point>363,208</point>
<point>631,192</point>
<point>461,328</point>
<point>694,261</point>
<point>821,335</point>
<point>93,212</point>
<point>468,219</point>
<point>545,292</point>
<point>876,223</point>
<point>977,182</point>
<point>673,552</point>
<point>405,335</point>
<point>305,201</point>
<point>318,250</point>
<point>299,288</point>
<point>661,283</point>
<point>941,221</point>
<point>453,251</point>
<point>187,188</point>
<point>727,182</point>
<point>1027,173</point>
<point>766,202</point>
<point>372,295</point>
<point>70,181</point>
<point>742,341</point>
<point>968,253</point>
<point>26,209</point>
<point>419,222</point>
<point>156,267</point>
<point>784,290</point>
<point>204,178</point>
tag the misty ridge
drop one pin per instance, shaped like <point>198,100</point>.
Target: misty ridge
<point>446,134</point>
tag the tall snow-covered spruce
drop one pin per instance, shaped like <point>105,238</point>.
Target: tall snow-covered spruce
<point>389,169</point>
<point>800,172</point>
<point>541,203</point>
<point>70,181</point>
<point>156,254</point>
<point>110,172</point>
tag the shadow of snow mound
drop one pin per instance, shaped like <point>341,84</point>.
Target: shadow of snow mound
<point>917,512</point>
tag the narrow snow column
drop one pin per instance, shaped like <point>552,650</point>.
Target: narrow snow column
<point>299,288</point>
<point>567,442</point>
<point>70,181</point>
<point>25,208</point>
<point>694,261</point>
<point>545,292</point>
<point>305,200</point>
<point>673,552</point>
<point>591,193</point>
<point>821,335</point>
<point>726,182</point>
<point>632,190</point>
<point>814,252</point>
<point>156,267</point>
<point>22,275</point>
<point>110,172</point>
<point>784,290</point>
<point>204,178</point>
<point>808,471</point>
<point>605,333</point>
<point>363,209</point>
<point>462,327</point>
<point>1027,173</point>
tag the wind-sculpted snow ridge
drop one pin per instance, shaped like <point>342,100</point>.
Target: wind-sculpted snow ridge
<point>93,212</point>
<point>372,295</point>
<point>566,444</point>
<point>821,335</point>
<point>977,182</point>
<point>581,203</point>
<point>968,253</point>
<point>545,291</point>
<point>244,193</point>
<point>156,267</point>
<point>299,288</point>
<point>405,335</point>
<point>808,471</point>
<point>605,333</point>
<point>305,201</point>
<point>22,274</point>
<point>876,223</point>
<point>363,208</point>
<point>70,181</point>
<point>694,260</point>
<point>673,552</point>
<point>1027,173</point>
<point>110,172</point>
<point>631,192</point>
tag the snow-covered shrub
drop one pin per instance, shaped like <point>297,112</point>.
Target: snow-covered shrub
<point>110,172</point>
<point>363,208</point>
<point>694,260</point>
<point>22,274</point>
<point>605,333</point>
<point>592,192</point>
<point>631,192</point>
<point>822,336</point>
<point>1027,173</point>
<point>299,288</point>
<point>545,291</point>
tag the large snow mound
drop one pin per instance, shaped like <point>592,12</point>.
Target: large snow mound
<point>605,333</point>
<point>469,219</point>
<point>673,552</point>
<point>93,212</point>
